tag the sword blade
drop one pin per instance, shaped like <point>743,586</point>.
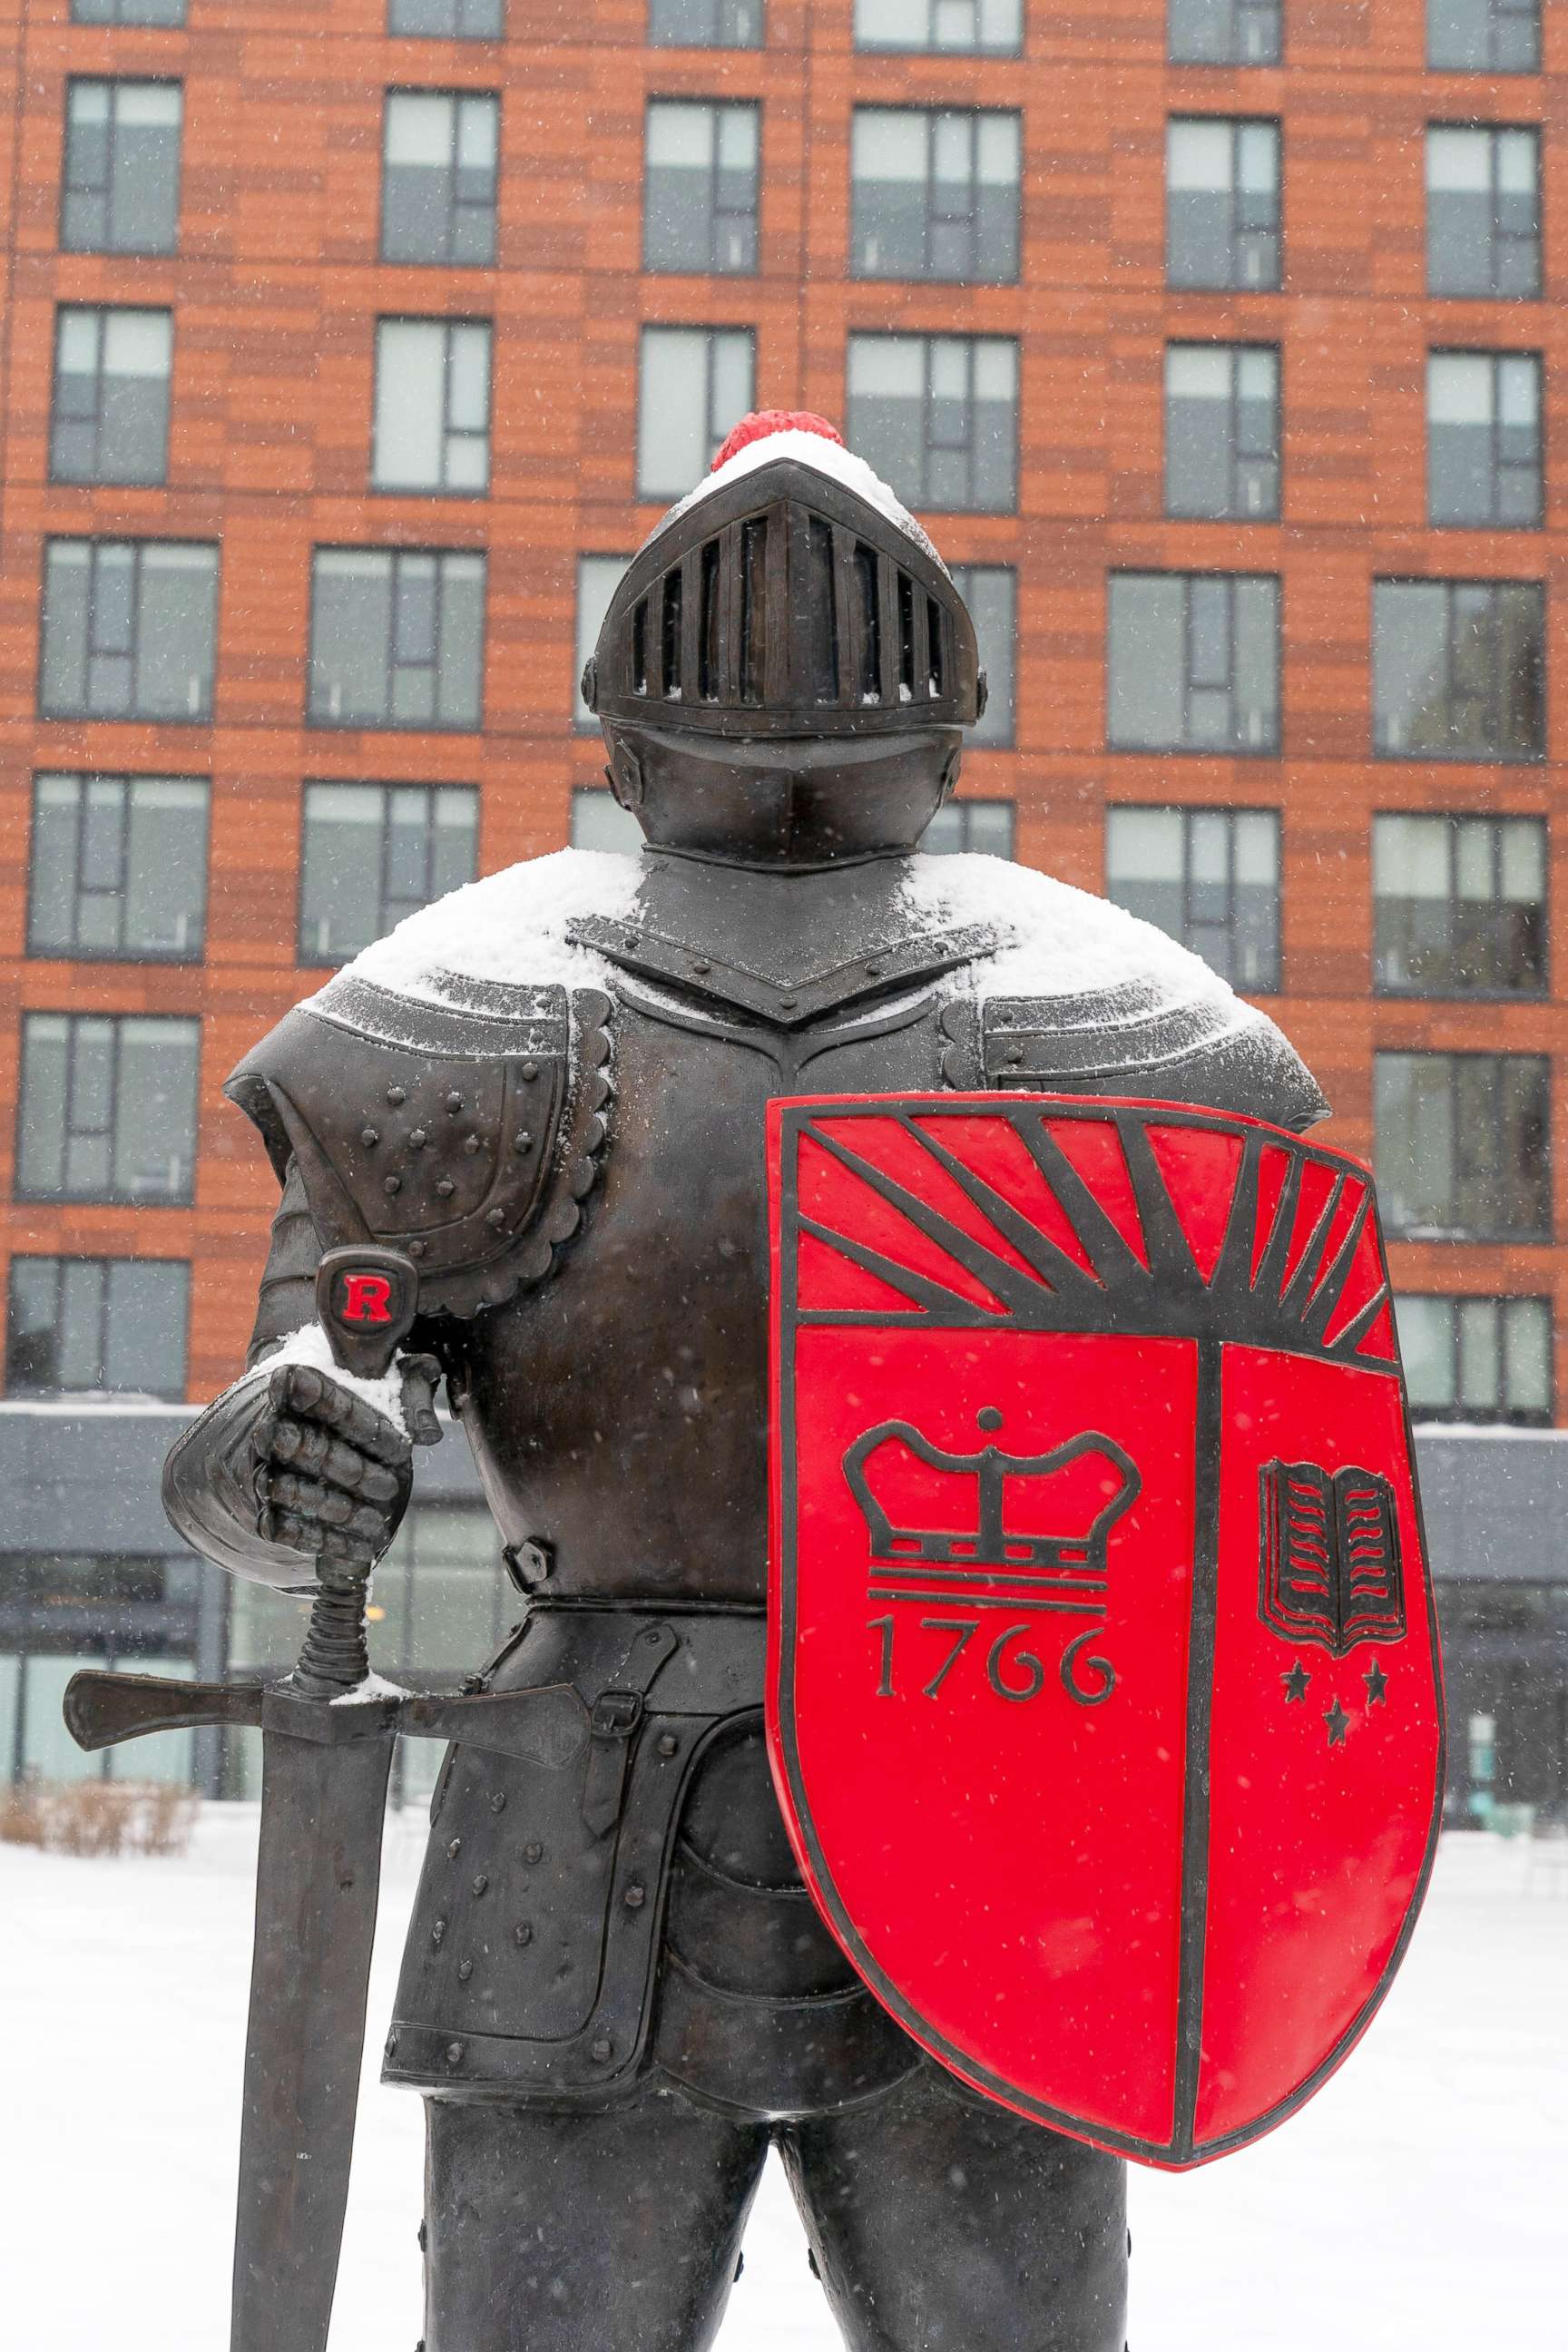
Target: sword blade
<point>317,1882</point>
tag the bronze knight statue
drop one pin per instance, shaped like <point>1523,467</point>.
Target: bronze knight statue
<point>546,1095</point>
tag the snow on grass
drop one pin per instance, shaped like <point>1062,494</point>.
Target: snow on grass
<point>1416,2206</point>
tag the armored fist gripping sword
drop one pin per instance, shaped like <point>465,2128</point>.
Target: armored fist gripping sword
<point>327,1730</point>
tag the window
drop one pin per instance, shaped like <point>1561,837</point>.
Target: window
<point>447,20</point>
<point>1222,431</point>
<point>110,422</point>
<point>705,24</point>
<point>128,12</point>
<point>1458,669</point>
<point>432,405</point>
<point>1483,440</point>
<point>693,385</point>
<point>1483,211</point>
<point>986,826</point>
<point>701,188</point>
<point>1483,37</point>
<point>938,416</point>
<point>597,576</point>
<point>1460,905</point>
<point>1477,1359</point>
<point>992,27</point>
<point>1193,662</point>
<point>1222,204</point>
<point>396,638</point>
<point>130,628</point>
<point>990,591</point>
<point>599,822</point>
<point>375,853</point>
<point>119,867</point>
<point>1461,1145</point>
<point>438,178</point>
<point>87,1323</point>
<point>1208,876</point>
<point>107,1107</point>
<point>1225,32</point>
<point>119,191</point>
<point>935,195</point>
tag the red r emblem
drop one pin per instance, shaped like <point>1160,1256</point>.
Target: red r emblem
<point>367,1298</point>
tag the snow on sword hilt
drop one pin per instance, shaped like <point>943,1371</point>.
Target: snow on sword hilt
<point>366,1299</point>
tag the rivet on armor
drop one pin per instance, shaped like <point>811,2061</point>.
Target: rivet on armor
<point>498,1803</point>
<point>700,964</point>
<point>522,1933</point>
<point>496,1218</point>
<point>600,2050</point>
<point>369,1136</point>
<point>788,1003</point>
<point>453,1101</point>
<point>416,1248</point>
<point>454,2054</point>
<point>530,1071</point>
<point>522,1140</point>
<point>481,1883</point>
<point>455,1849</point>
<point>418,1139</point>
<point>446,1188</point>
<point>875,970</point>
<point>534,1851</point>
<point>635,1898</point>
<point>395,1095</point>
<point>465,1970</point>
<point>392,1184</point>
<point>471,1144</point>
<point>422,2235</point>
<point>667,1744</point>
<point>391,2045</point>
<point>1014,1052</point>
<point>438,1931</point>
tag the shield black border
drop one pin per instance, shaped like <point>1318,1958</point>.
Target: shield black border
<point>789,1119</point>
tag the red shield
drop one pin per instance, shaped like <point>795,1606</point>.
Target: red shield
<point>1104,1699</point>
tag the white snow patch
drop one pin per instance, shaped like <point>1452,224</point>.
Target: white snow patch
<point>510,927</point>
<point>311,1345</point>
<point>1066,942</point>
<point>372,1687</point>
<point>829,458</point>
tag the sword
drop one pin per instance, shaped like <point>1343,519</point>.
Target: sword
<point>327,1740</point>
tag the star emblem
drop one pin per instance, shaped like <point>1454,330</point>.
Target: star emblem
<point>1377,1683</point>
<point>1296,1681</point>
<point>1339,1723</point>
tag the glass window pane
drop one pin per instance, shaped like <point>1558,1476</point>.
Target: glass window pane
<point>410,395</point>
<point>1426,1327</point>
<point>599,822</point>
<point>596,578</point>
<point>673,441</point>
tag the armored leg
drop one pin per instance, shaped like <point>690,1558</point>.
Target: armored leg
<point>548,2232</point>
<point>940,2223</point>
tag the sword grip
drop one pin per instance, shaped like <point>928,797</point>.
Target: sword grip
<point>335,1655</point>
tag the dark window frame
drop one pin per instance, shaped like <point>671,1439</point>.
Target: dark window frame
<point>1504,1416</point>
<point>172,1392</point>
<point>455,205</point>
<point>1458,1230</point>
<point>306,957</point>
<point>395,32</point>
<point>718,10</point>
<point>114,84</point>
<point>717,214</point>
<point>1237,510</point>
<point>448,431</point>
<point>110,1197</point>
<point>96,545</point>
<point>1465,757</point>
<point>973,273</point>
<point>1457,821</point>
<point>930,46</point>
<point>1229,812</point>
<point>1268,12</point>
<point>961,813</point>
<point>1528,11</point>
<point>1499,464</point>
<point>77,952</point>
<point>927,339</point>
<point>1237,282</point>
<point>713,435</point>
<point>101,312</point>
<point>1192,682</point>
<point>390,723</point>
<point>1501,238</point>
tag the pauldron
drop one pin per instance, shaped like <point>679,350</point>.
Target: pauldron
<point>466,1132</point>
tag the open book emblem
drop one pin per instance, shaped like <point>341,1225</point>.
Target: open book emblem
<point>1331,1567</point>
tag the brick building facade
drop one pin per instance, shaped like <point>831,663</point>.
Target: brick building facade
<point>1154,346</point>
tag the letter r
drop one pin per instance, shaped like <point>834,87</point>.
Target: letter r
<point>367,1298</point>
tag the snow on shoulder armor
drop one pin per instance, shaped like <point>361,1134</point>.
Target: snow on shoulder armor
<point>438,1109</point>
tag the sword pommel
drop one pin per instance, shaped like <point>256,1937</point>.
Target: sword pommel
<point>366,1299</point>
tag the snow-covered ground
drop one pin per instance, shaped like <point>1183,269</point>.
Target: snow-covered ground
<point>1418,2205</point>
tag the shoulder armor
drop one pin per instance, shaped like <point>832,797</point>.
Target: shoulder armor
<point>1132,1040</point>
<point>467,1132</point>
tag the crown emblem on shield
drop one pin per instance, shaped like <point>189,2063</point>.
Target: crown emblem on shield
<point>1031,1514</point>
